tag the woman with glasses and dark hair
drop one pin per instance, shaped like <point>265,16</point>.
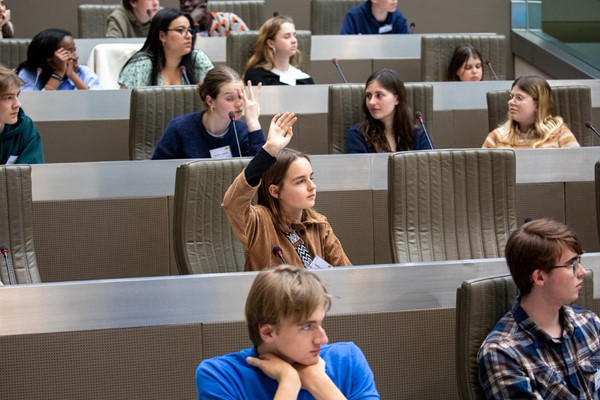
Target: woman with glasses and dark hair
<point>530,122</point>
<point>167,57</point>
<point>53,64</point>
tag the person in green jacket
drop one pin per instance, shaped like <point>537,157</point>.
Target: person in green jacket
<point>20,141</point>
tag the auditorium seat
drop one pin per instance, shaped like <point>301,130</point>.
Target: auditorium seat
<point>480,303</point>
<point>437,51</point>
<point>345,109</point>
<point>251,11</point>
<point>91,19</point>
<point>151,110</point>
<point>13,51</point>
<point>572,103</point>
<point>202,236</point>
<point>327,16</point>
<point>451,204</point>
<point>240,46</point>
<point>107,60</point>
<point>16,223</point>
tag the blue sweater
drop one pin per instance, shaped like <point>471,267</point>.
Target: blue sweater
<point>186,137</point>
<point>231,377</point>
<point>355,142</point>
<point>361,21</point>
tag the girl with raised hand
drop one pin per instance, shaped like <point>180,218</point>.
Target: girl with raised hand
<point>284,217</point>
<point>217,132</point>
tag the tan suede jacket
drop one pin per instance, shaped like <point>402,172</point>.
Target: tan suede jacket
<point>255,229</point>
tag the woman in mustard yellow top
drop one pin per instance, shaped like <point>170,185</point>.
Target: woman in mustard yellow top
<point>530,122</point>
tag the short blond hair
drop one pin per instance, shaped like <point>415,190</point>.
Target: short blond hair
<point>8,80</point>
<point>281,293</point>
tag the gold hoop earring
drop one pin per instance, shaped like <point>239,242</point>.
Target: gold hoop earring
<point>212,108</point>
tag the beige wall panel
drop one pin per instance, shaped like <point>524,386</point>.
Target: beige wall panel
<point>540,200</point>
<point>138,363</point>
<point>356,71</point>
<point>470,128</point>
<point>350,213</point>
<point>409,70</point>
<point>83,141</point>
<point>442,129</point>
<point>101,239</point>
<point>381,235</point>
<point>312,134</point>
<point>580,198</point>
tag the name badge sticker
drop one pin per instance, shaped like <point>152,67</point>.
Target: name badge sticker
<point>221,152</point>
<point>12,160</point>
<point>319,263</point>
<point>385,28</point>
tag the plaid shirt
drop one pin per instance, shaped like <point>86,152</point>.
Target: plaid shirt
<point>518,360</point>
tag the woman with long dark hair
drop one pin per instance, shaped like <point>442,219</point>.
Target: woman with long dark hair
<point>167,56</point>
<point>53,64</point>
<point>388,123</point>
<point>466,64</point>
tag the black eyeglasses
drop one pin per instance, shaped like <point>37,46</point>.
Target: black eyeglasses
<point>181,30</point>
<point>573,264</point>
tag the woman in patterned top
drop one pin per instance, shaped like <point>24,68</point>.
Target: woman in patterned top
<point>213,24</point>
<point>530,122</point>
<point>167,57</point>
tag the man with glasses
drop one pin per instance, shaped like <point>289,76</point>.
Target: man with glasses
<point>543,348</point>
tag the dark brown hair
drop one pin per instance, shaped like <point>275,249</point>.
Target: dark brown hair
<point>373,130</point>
<point>274,176</point>
<point>461,54</point>
<point>537,244</point>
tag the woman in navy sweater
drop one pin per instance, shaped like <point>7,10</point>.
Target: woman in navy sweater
<point>217,132</point>
<point>388,123</point>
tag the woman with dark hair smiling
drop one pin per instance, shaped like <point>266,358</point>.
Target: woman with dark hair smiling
<point>53,64</point>
<point>388,124</point>
<point>167,57</point>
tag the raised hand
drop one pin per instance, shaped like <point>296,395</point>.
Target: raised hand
<point>280,132</point>
<point>251,105</point>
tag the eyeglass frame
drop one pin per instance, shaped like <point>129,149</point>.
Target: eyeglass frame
<point>519,98</point>
<point>574,265</point>
<point>182,31</point>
